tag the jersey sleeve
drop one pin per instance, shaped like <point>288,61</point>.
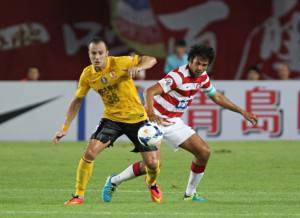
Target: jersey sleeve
<point>208,87</point>
<point>83,87</point>
<point>170,81</point>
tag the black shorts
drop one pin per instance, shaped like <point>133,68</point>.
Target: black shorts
<point>111,130</point>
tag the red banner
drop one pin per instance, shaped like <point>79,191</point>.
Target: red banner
<point>52,35</point>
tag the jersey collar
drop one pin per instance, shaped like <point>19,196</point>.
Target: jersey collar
<point>189,71</point>
<point>104,70</point>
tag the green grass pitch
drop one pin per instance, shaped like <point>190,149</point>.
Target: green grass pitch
<point>243,179</point>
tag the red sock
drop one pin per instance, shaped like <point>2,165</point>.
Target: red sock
<point>197,169</point>
<point>136,169</point>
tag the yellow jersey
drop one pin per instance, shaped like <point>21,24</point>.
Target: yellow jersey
<point>116,88</point>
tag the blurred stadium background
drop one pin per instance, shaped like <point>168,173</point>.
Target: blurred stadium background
<point>37,176</point>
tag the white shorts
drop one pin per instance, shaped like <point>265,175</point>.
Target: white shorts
<point>176,133</point>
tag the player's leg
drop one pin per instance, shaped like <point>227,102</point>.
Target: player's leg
<point>152,167</point>
<point>150,155</point>
<point>114,180</point>
<point>181,135</point>
<point>104,136</point>
<point>132,171</point>
<point>138,168</point>
<point>85,170</point>
<point>201,151</point>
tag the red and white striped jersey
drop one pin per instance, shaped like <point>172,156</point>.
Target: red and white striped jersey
<point>179,90</point>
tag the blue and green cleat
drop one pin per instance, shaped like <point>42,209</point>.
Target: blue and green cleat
<point>108,189</point>
<point>194,198</point>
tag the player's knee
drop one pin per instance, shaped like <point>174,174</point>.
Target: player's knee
<point>153,164</point>
<point>203,154</point>
<point>206,154</point>
<point>90,154</point>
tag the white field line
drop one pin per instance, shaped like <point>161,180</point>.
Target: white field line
<point>109,213</point>
<point>238,192</point>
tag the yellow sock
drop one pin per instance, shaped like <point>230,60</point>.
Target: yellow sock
<point>84,172</point>
<point>152,175</point>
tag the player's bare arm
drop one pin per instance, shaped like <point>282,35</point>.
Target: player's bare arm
<point>71,114</point>
<point>223,101</point>
<point>149,95</point>
<point>145,62</point>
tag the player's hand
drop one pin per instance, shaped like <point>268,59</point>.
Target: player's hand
<point>153,117</point>
<point>133,71</point>
<point>250,117</point>
<point>60,134</point>
<point>106,144</point>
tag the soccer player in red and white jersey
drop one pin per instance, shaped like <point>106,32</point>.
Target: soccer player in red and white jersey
<point>167,100</point>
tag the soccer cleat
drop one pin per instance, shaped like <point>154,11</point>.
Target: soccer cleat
<point>194,198</point>
<point>75,200</point>
<point>155,193</point>
<point>108,189</point>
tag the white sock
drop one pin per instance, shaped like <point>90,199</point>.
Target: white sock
<point>124,175</point>
<point>194,181</point>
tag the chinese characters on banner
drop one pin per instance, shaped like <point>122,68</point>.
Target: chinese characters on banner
<point>205,114</point>
<point>265,104</point>
<point>275,103</point>
<point>22,35</point>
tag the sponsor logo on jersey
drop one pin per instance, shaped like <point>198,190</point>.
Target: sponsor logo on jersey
<point>113,75</point>
<point>168,81</point>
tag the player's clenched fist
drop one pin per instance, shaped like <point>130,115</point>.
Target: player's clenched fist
<point>250,117</point>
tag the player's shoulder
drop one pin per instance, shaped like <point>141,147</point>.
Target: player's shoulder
<point>121,62</point>
<point>184,70</point>
<point>87,71</point>
<point>120,59</point>
<point>180,72</point>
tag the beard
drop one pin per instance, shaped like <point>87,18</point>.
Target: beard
<point>195,75</point>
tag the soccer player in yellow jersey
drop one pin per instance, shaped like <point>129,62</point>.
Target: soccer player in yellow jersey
<point>124,113</point>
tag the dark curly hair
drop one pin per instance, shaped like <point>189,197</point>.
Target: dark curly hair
<point>202,51</point>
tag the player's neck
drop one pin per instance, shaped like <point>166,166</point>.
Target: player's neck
<point>192,74</point>
<point>100,68</point>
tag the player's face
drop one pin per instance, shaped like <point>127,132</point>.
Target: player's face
<point>180,51</point>
<point>98,55</point>
<point>197,66</point>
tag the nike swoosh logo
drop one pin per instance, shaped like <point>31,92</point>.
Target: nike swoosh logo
<point>6,116</point>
